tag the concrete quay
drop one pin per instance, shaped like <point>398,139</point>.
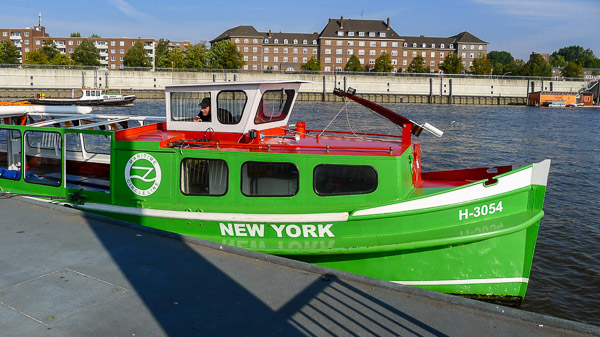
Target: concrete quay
<point>69,273</point>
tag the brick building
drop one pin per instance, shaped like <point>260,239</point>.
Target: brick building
<point>341,38</point>
<point>112,50</point>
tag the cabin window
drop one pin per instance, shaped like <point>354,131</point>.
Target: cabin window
<point>274,106</point>
<point>10,154</point>
<point>230,106</point>
<point>43,158</point>
<point>266,179</point>
<point>186,105</point>
<point>331,180</point>
<point>88,161</point>
<point>204,176</point>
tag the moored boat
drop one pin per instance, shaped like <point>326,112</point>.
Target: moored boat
<point>90,97</point>
<point>9,108</point>
<point>243,177</point>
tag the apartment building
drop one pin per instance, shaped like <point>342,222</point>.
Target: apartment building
<point>341,38</point>
<point>112,50</point>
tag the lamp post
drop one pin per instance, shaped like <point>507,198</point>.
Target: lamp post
<point>510,72</point>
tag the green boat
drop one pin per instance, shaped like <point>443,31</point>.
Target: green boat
<point>245,178</point>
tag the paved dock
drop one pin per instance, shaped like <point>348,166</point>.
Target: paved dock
<point>67,273</point>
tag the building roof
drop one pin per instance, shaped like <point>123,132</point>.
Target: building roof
<point>348,25</point>
<point>419,40</point>
<point>466,37</point>
<point>300,37</point>
<point>239,31</point>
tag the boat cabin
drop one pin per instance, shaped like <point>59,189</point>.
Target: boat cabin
<point>236,107</point>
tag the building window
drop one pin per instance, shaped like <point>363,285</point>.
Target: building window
<point>245,67</point>
<point>266,40</point>
<point>245,49</point>
<point>327,51</point>
<point>340,33</point>
<point>285,59</point>
<point>122,43</point>
<point>328,60</point>
<point>113,43</point>
<point>361,34</point>
<point>405,44</point>
<point>451,46</point>
<point>414,45</point>
<point>254,67</point>
<point>350,33</point>
<point>394,62</point>
<point>295,60</point>
<point>480,47</point>
<point>338,60</point>
<point>414,54</point>
<point>361,52</point>
<point>372,52</point>
<point>327,68</point>
<point>384,44</point>
<point>394,53</point>
<point>304,51</point>
<point>471,55</point>
<point>276,41</point>
<point>350,51</point>
<point>27,50</point>
<point>423,54</point>
<point>70,50</point>
<point>361,43</point>
<point>314,41</point>
<point>404,53</point>
<point>246,41</point>
<point>79,42</point>
<point>328,42</point>
<point>315,51</point>
<point>285,50</point>
<point>295,50</point>
<point>237,40</point>
<point>432,54</point>
<point>338,52</point>
<point>70,42</point>
<point>113,66</point>
<point>26,41</point>
<point>245,58</point>
<point>285,41</point>
<point>382,34</point>
<point>372,44</point>
<point>266,59</point>
<point>276,50</point>
<point>424,45</point>
<point>339,43</point>
<point>295,41</point>
<point>394,44</point>
<point>404,62</point>
<point>432,63</point>
<point>122,51</point>
<point>433,45</point>
<point>464,55</point>
<point>442,45</point>
<point>266,50</point>
<point>464,46</point>
<point>121,58</point>
<point>371,34</point>
<point>255,41</point>
<point>254,58</point>
<point>304,59</point>
<point>472,47</point>
<point>304,42</point>
<point>255,49</point>
<point>350,43</point>
<point>276,59</point>
<point>275,68</point>
<point>38,42</point>
<point>113,58</point>
<point>362,61</point>
<point>371,61</point>
<point>268,179</point>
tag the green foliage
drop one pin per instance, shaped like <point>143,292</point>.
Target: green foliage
<point>572,69</point>
<point>95,36</point>
<point>481,66</point>
<point>452,64</point>
<point>558,61</point>
<point>502,57</point>
<point>225,55</point>
<point>50,49</point>
<point>136,56</point>
<point>383,64</point>
<point>76,34</point>
<point>590,62</point>
<point>36,56</point>
<point>161,51</point>
<point>515,67</point>
<point>537,66</point>
<point>417,65</point>
<point>574,54</point>
<point>596,72</point>
<point>9,53</point>
<point>312,65</point>
<point>196,56</point>
<point>86,54</point>
<point>173,58</point>
<point>498,69</point>
<point>61,59</point>
<point>353,64</point>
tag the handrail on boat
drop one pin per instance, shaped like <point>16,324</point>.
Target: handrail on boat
<point>327,148</point>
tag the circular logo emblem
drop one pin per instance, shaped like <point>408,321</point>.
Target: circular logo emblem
<point>142,174</point>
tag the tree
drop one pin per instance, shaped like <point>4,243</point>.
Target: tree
<point>383,64</point>
<point>417,65</point>
<point>86,54</point>
<point>94,36</point>
<point>481,66</point>
<point>557,61</point>
<point>590,62</point>
<point>161,51</point>
<point>572,69</point>
<point>312,65</point>
<point>225,55</point>
<point>36,56</point>
<point>50,49</point>
<point>196,56</point>
<point>173,58</point>
<point>9,53</point>
<point>136,56</point>
<point>537,66</point>
<point>353,64</point>
<point>574,54</point>
<point>76,34</point>
<point>60,59</point>
<point>502,57</point>
<point>515,67</point>
<point>453,64</point>
<point>498,69</point>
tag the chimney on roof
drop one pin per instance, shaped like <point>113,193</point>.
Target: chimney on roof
<point>342,23</point>
<point>388,23</point>
<point>269,33</point>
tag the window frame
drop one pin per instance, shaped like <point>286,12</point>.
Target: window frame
<point>269,196</point>
<point>345,193</point>
<point>183,160</point>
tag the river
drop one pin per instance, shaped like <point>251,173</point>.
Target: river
<point>565,277</point>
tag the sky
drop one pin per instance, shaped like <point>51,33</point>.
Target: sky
<point>517,26</point>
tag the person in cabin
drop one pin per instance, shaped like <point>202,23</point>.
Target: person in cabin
<point>204,114</point>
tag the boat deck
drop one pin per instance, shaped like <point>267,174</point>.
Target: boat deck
<point>67,273</point>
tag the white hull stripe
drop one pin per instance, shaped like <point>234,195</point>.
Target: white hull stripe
<point>469,281</point>
<point>229,217</point>
<point>537,174</point>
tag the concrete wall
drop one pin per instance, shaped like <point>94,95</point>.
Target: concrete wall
<point>446,89</point>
